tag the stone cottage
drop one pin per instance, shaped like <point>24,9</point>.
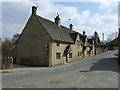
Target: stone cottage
<point>47,43</point>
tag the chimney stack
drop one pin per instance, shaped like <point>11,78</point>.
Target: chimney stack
<point>34,9</point>
<point>71,26</point>
<point>83,32</point>
<point>57,20</point>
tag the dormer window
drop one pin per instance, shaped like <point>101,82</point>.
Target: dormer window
<point>58,44</point>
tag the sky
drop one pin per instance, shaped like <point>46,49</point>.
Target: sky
<point>100,16</point>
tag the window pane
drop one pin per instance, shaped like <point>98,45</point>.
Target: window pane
<point>57,55</point>
<point>70,55</point>
<point>58,43</point>
<point>78,53</point>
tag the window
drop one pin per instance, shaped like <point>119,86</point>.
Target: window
<point>70,55</point>
<point>57,55</point>
<point>58,43</point>
<point>78,53</point>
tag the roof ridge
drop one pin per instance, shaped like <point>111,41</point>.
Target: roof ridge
<point>60,33</point>
<point>55,32</point>
<point>46,19</point>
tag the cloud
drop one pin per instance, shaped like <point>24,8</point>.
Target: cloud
<point>10,29</point>
<point>119,14</point>
<point>50,10</point>
<point>16,14</point>
<point>65,12</point>
<point>105,20</point>
<point>14,17</point>
<point>105,4</point>
<point>88,29</point>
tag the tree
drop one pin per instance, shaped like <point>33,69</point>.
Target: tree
<point>96,38</point>
<point>112,36</point>
<point>15,37</point>
<point>6,45</point>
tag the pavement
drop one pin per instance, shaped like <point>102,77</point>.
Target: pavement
<point>100,71</point>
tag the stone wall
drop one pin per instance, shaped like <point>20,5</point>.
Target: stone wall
<point>99,50</point>
<point>31,44</point>
<point>74,49</point>
<point>7,63</point>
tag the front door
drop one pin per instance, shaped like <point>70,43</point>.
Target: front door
<point>95,51</point>
<point>66,58</point>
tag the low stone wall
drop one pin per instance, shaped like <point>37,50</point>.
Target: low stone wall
<point>100,50</point>
<point>7,63</point>
<point>29,62</point>
<point>112,48</point>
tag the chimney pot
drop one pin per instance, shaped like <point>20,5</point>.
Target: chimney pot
<point>71,26</point>
<point>34,9</point>
<point>83,32</point>
<point>57,20</point>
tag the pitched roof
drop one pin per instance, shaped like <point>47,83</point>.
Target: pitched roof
<point>90,41</point>
<point>88,44</point>
<point>83,38</point>
<point>56,32</point>
<point>60,33</point>
<point>73,36</point>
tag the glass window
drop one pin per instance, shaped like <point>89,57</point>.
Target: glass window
<point>58,43</point>
<point>70,55</point>
<point>57,55</point>
<point>78,53</point>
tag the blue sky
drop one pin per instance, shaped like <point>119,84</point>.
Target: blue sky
<point>85,16</point>
<point>92,6</point>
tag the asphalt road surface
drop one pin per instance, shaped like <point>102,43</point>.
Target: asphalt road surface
<point>100,71</point>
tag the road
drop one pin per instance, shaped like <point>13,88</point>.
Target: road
<point>100,71</point>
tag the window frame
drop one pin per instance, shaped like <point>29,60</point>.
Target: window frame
<point>58,57</point>
<point>58,43</point>
<point>70,55</point>
<point>78,54</point>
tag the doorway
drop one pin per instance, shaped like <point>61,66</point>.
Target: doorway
<point>66,58</point>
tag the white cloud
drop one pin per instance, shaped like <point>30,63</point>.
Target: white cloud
<point>50,10</point>
<point>8,28</point>
<point>100,22</point>
<point>86,13</point>
<point>88,29</point>
<point>107,21</point>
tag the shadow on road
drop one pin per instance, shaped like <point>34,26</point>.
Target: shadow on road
<point>105,64</point>
<point>26,66</point>
<point>116,54</point>
<point>21,66</point>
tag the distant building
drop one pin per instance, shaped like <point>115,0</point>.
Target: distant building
<point>46,43</point>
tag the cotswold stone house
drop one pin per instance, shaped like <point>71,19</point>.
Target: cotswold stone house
<point>47,43</point>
